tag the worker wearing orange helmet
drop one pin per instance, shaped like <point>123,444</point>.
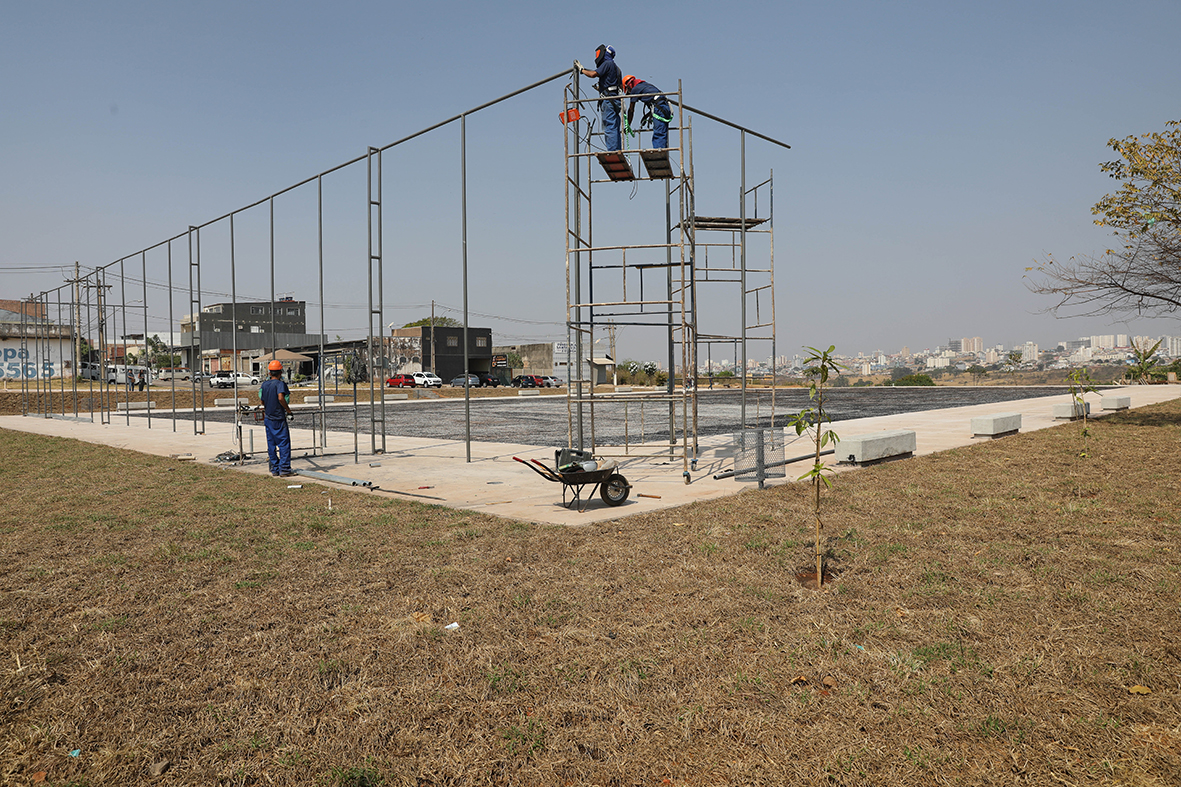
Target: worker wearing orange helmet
<point>656,108</point>
<point>274,394</point>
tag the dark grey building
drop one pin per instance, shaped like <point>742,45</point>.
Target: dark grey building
<point>259,324</point>
<point>413,346</point>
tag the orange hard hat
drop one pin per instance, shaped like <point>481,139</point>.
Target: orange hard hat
<point>628,82</point>
<point>275,366</point>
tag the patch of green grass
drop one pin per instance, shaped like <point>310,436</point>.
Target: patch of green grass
<point>110,624</point>
<point>883,552</point>
<point>503,680</point>
<point>354,777</point>
<point>752,625</point>
<point>757,544</point>
<point>525,739</point>
<point>993,726</point>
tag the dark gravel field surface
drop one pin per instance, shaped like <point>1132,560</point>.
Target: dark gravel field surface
<point>544,420</point>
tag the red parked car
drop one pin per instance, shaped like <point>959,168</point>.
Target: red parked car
<point>401,381</point>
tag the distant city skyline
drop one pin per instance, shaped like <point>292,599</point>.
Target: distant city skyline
<point>938,151</point>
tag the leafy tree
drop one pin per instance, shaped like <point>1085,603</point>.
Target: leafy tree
<point>1143,363</point>
<point>440,322</point>
<point>158,355</point>
<point>978,373</point>
<point>1011,362</point>
<point>899,372</point>
<point>914,379</point>
<point>1143,275</point>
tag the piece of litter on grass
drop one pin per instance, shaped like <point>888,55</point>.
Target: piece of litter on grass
<point>641,494</point>
<point>859,648</point>
<point>295,486</point>
<point>1138,689</point>
<point>800,680</point>
<point>158,768</point>
<point>75,752</point>
<point>451,627</point>
<point>496,482</point>
<point>39,777</point>
<point>829,682</point>
<point>678,524</point>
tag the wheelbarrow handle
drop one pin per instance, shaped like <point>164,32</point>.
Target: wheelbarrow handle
<point>544,472</point>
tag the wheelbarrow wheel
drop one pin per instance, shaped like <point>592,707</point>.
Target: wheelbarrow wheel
<point>614,490</point>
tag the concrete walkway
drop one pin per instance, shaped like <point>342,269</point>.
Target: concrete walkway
<point>435,471</point>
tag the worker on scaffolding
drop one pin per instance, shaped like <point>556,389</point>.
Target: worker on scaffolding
<point>656,109</point>
<point>610,84</point>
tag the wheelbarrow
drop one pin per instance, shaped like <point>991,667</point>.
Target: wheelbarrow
<point>610,485</point>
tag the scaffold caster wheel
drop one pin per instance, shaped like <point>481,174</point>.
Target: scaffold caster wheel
<point>687,477</point>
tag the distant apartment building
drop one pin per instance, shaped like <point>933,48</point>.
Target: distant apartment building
<point>1029,352</point>
<point>974,344</point>
<point>207,340</point>
<point>1103,342</point>
<point>1169,345</point>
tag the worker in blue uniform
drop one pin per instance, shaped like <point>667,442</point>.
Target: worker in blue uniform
<point>274,395</point>
<point>610,87</point>
<point>656,108</point>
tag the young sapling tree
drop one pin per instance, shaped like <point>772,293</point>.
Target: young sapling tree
<point>1081,385</point>
<point>818,366</point>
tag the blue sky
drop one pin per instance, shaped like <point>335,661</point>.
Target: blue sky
<point>938,149</point>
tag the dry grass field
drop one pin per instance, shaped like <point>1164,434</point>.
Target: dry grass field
<point>1007,613</point>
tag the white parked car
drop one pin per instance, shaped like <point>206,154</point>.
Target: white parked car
<point>428,380</point>
<point>226,380</point>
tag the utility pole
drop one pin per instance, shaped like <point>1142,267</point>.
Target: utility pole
<point>77,317</point>
<point>614,359</point>
<point>433,337</point>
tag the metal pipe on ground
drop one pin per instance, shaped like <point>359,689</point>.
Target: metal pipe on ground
<point>337,479</point>
<point>730,473</point>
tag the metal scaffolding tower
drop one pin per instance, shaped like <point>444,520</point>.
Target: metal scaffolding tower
<point>656,282</point>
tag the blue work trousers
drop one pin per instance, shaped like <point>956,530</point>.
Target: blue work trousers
<point>610,109</point>
<point>278,445</point>
<point>660,127</point>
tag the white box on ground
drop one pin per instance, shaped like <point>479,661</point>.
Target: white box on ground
<point>1115,402</point>
<point>862,448</point>
<point>1072,411</point>
<point>996,425</point>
